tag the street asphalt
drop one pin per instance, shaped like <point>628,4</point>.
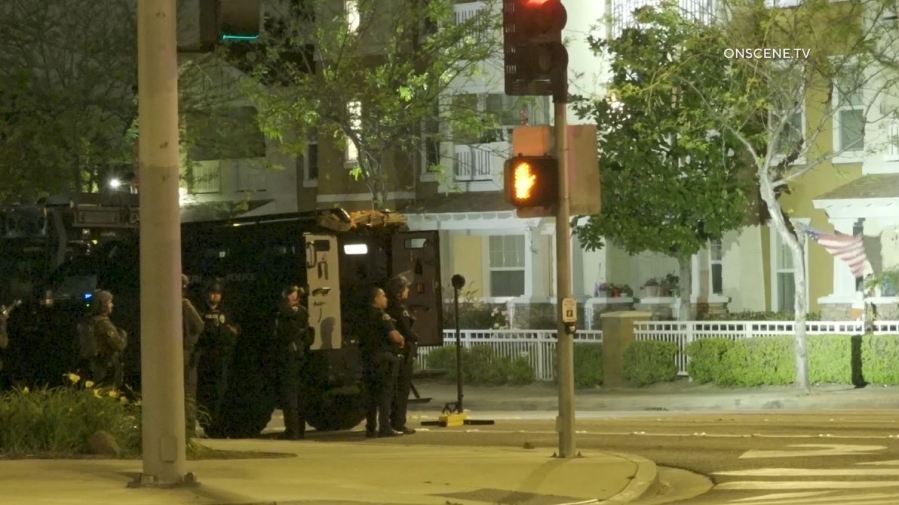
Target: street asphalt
<point>424,469</point>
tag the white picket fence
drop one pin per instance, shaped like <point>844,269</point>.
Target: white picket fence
<point>682,333</point>
<point>538,346</point>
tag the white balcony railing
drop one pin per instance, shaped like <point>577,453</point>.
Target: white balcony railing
<point>465,11</point>
<point>479,162</point>
<point>623,11</point>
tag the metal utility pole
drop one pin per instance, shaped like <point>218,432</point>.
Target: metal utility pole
<point>565,344</point>
<point>162,372</point>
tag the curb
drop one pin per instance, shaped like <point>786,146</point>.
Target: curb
<point>645,479</point>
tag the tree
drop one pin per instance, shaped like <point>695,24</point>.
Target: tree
<point>671,177</point>
<point>370,71</point>
<point>67,94</point>
<point>843,51</point>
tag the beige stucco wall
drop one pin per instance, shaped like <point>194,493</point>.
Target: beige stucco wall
<point>824,177</point>
<point>743,266</point>
<point>467,260</point>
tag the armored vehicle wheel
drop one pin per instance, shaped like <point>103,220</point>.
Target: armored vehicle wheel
<point>337,409</point>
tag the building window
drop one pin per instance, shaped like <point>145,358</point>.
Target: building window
<point>849,112</point>
<point>784,285</point>
<point>430,130</point>
<point>205,178</point>
<point>307,163</point>
<point>782,3</point>
<point>788,111</point>
<point>505,113</point>
<point>226,133</point>
<point>506,264</point>
<point>250,179</point>
<point>716,255</point>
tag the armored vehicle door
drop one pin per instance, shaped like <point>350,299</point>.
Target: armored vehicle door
<point>416,255</point>
<point>323,281</point>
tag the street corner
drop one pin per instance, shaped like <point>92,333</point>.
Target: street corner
<point>643,479</point>
<point>527,477</point>
<point>394,473</point>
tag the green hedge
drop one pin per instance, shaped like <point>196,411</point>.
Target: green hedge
<point>706,358</point>
<point>830,359</point>
<point>880,358</point>
<point>769,360</point>
<point>757,361</point>
<point>481,365</point>
<point>587,365</point>
<point>649,361</point>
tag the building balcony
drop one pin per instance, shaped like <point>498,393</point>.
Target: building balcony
<point>623,12</point>
<point>480,162</point>
<point>464,11</point>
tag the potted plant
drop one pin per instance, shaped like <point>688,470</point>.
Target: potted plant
<point>669,285</point>
<point>627,291</point>
<point>614,290</point>
<point>651,288</point>
<point>601,290</point>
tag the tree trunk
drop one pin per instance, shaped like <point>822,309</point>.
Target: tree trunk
<point>800,304</point>
<point>374,181</point>
<point>685,287</point>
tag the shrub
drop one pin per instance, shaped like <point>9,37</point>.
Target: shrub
<point>60,420</point>
<point>587,365</point>
<point>829,359</point>
<point>520,372</point>
<point>443,358</point>
<point>707,358</point>
<point>880,355</point>
<point>481,365</point>
<point>649,361</point>
<point>759,360</point>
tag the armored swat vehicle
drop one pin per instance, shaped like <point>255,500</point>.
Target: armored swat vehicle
<point>333,254</point>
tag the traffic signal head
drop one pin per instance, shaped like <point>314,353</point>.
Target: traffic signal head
<point>532,181</point>
<point>536,62</point>
<point>239,19</point>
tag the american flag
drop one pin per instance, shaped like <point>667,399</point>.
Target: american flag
<point>849,248</point>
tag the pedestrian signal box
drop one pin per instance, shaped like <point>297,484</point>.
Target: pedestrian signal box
<point>532,181</point>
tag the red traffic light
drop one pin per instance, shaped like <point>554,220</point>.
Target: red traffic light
<point>536,62</point>
<point>531,181</point>
<point>542,19</point>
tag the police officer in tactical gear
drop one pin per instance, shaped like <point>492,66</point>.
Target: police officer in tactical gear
<point>215,350</point>
<point>380,343</point>
<point>102,342</point>
<point>397,293</point>
<point>292,341</point>
<point>192,328</point>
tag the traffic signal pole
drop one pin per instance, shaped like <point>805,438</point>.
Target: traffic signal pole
<point>565,344</point>
<point>162,363</point>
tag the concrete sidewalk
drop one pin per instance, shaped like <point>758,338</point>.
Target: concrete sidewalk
<point>363,472</point>
<point>677,396</point>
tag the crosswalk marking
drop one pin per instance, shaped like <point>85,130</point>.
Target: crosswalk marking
<point>754,485</point>
<point>813,450</point>
<point>778,496</point>
<point>812,472</point>
<point>817,499</point>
